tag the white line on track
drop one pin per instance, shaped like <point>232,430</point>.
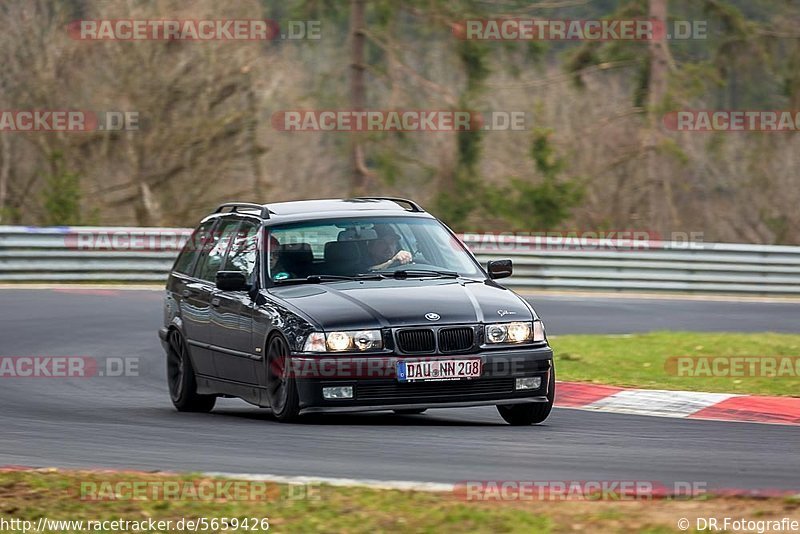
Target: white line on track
<point>405,485</point>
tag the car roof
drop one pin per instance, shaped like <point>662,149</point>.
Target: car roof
<point>305,210</point>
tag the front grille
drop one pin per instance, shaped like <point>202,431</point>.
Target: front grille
<point>458,389</point>
<point>456,339</point>
<point>416,340</point>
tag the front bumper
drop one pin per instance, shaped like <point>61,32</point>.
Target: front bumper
<point>384,392</point>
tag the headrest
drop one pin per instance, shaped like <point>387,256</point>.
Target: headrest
<point>342,252</point>
<point>297,252</point>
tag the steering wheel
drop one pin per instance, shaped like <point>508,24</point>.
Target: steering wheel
<point>413,261</point>
<point>416,256</point>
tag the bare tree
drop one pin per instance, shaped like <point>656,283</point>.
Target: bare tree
<point>662,209</point>
<point>358,93</point>
<point>197,104</point>
<point>36,55</point>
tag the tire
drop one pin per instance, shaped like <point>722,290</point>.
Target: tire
<point>181,378</point>
<point>531,413</point>
<point>281,389</point>
<point>411,411</point>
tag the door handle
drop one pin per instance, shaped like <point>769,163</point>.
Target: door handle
<point>215,301</point>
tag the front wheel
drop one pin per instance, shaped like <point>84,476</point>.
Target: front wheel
<point>181,378</point>
<point>531,413</point>
<point>281,387</point>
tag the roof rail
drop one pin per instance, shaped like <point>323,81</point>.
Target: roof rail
<point>263,210</point>
<point>412,206</point>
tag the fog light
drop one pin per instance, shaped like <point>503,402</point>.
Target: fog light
<point>344,392</point>
<point>533,382</point>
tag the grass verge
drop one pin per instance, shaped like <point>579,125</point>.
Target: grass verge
<point>650,361</point>
<point>29,495</point>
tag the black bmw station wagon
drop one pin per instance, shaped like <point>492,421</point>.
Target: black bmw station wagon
<point>348,305</point>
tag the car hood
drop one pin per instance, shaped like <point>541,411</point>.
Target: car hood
<point>384,303</point>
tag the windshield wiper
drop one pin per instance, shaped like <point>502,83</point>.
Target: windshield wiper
<point>320,278</point>
<point>418,273</point>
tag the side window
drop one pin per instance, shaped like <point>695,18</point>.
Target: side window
<point>214,252</point>
<point>244,251</point>
<point>192,248</point>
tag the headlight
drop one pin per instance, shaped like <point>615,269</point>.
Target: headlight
<point>339,341</point>
<point>519,332</point>
<point>513,333</point>
<point>356,340</point>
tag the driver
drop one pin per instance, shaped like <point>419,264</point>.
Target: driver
<point>385,251</point>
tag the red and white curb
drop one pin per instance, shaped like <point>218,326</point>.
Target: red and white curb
<point>680,404</point>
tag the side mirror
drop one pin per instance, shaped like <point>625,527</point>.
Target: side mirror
<point>499,269</point>
<point>232,281</point>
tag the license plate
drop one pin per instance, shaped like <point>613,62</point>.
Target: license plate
<point>430,370</point>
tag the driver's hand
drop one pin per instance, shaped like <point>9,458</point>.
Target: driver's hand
<point>402,257</point>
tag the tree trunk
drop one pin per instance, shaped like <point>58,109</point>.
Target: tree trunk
<point>358,94</point>
<point>148,210</point>
<point>659,56</point>
<point>794,77</point>
<point>255,150</point>
<point>662,208</point>
<point>5,172</point>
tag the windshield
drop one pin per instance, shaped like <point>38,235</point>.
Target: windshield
<point>356,247</point>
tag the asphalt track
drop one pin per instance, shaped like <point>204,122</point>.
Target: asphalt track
<point>128,422</point>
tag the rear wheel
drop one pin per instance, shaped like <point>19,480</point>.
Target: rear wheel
<point>533,412</point>
<point>410,411</point>
<point>281,387</point>
<point>181,378</point>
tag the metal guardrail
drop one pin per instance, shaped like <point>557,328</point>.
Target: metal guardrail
<point>77,254</point>
<point>84,254</point>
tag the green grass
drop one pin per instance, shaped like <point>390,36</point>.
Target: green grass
<point>55,495</point>
<point>29,495</point>
<point>640,360</point>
